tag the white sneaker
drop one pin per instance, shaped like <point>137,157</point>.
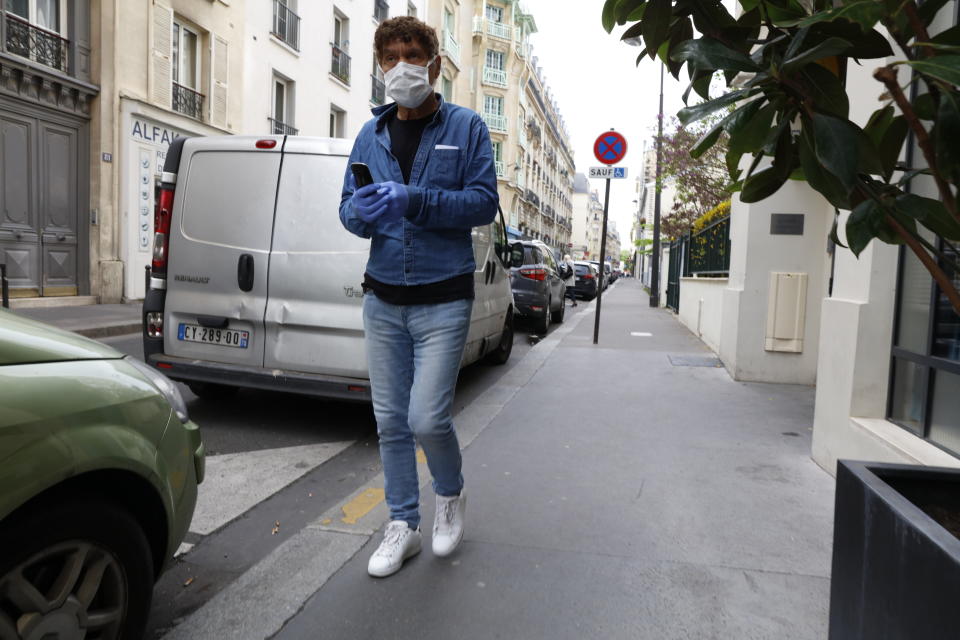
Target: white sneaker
<point>399,543</point>
<point>448,524</point>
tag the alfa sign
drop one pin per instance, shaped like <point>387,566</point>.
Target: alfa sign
<point>608,172</point>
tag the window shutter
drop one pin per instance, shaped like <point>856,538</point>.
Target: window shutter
<point>218,83</point>
<point>161,70</point>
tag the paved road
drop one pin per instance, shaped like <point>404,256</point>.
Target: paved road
<point>276,462</point>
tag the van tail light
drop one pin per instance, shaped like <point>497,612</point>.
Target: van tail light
<point>155,324</point>
<point>534,274</point>
<point>162,217</point>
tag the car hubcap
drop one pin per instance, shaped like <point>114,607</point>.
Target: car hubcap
<point>71,590</point>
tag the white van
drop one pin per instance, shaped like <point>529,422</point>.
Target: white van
<point>255,283</point>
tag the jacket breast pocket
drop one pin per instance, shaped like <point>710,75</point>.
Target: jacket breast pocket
<point>445,169</point>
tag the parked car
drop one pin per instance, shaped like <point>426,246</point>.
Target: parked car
<point>99,467</point>
<point>587,280</point>
<point>604,277</point>
<point>538,285</point>
<point>255,282</point>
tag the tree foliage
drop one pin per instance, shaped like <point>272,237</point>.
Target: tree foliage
<point>784,64</point>
<point>700,183</point>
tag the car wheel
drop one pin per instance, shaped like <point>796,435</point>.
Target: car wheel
<point>75,570</point>
<point>557,315</point>
<point>543,324</point>
<point>501,354</point>
<point>212,391</point>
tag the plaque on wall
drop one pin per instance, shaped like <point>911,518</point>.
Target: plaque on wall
<point>786,224</point>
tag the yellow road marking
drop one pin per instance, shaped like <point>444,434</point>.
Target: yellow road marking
<point>421,456</point>
<point>362,505</point>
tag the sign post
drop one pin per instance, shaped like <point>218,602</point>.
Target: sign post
<point>609,148</point>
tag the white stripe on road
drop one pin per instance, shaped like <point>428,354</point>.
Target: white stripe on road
<point>237,482</point>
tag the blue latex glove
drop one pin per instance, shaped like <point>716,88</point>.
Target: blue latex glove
<point>368,203</point>
<point>397,200</point>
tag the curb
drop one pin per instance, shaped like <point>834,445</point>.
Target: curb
<point>109,331</point>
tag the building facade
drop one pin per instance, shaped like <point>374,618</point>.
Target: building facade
<point>48,91</point>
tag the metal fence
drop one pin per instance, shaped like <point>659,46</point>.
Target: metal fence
<point>286,24</point>
<point>187,101</point>
<point>282,128</point>
<point>32,42</point>
<point>340,64</point>
<point>710,249</point>
<point>677,268</point>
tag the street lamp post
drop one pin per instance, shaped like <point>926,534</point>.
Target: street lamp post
<point>655,276</point>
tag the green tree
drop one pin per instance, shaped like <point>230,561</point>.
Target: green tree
<point>783,62</point>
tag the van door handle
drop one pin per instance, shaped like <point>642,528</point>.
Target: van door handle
<point>213,322</point>
<point>245,271</point>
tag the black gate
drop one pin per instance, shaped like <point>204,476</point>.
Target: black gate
<point>679,250</point>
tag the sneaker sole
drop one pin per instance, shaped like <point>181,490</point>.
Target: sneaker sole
<point>393,570</point>
<point>456,545</point>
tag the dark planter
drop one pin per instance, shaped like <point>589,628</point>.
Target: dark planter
<point>896,566</point>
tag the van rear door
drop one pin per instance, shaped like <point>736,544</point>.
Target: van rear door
<point>314,316</point>
<point>219,248</point>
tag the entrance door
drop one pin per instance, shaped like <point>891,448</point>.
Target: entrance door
<point>39,205</point>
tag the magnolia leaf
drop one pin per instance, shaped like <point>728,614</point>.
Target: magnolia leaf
<point>948,37</point>
<point>698,111</point>
<point>891,144</point>
<point>879,122</point>
<point>930,213</point>
<point>929,9</point>
<point>837,145</point>
<point>750,135</point>
<point>762,185</point>
<point>866,13</point>
<point>924,106</point>
<point>656,24</point>
<point>862,225</point>
<point>947,132</point>
<point>609,15</point>
<point>634,32</point>
<point>946,68</point>
<point>707,53</point>
<point>835,230</point>
<point>821,181</point>
<point>826,49</point>
<point>826,90</point>
<point>627,7</point>
<point>733,164</point>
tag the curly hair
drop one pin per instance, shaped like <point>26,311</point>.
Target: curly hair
<point>405,29</point>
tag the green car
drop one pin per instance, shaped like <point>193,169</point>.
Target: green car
<point>99,467</point>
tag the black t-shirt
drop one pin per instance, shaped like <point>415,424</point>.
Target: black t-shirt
<point>404,143</point>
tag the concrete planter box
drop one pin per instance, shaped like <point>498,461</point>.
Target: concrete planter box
<point>896,563</point>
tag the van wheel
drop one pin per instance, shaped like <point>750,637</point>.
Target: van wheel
<point>543,324</point>
<point>211,391</point>
<point>75,570</point>
<point>501,354</point>
<point>557,316</point>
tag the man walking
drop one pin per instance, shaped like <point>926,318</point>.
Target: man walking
<point>434,180</point>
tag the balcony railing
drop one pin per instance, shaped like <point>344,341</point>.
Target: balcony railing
<point>451,47</point>
<point>340,65</point>
<point>496,122</point>
<point>34,43</point>
<point>499,29</point>
<point>282,128</point>
<point>378,91</point>
<point>286,24</point>
<point>187,101</point>
<point>501,170</point>
<point>495,77</point>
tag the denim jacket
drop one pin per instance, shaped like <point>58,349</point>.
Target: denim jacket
<point>452,188</point>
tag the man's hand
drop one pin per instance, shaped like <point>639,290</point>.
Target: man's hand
<point>396,197</point>
<point>368,203</point>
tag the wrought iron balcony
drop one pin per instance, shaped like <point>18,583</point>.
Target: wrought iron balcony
<point>187,101</point>
<point>32,42</point>
<point>451,47</point>
<point>495,77</point>
<point>340,66</point>
<point>496,122</point>
<point>501,170</point>
<point>286,24</point>
<point>282,128</point>
<point>378,92</point>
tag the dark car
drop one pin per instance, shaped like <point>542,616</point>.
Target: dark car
<point>538,287</point>
<point>586,283</point>
<point>605,280</point>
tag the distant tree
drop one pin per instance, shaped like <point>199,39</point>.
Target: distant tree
<point>700,183</point>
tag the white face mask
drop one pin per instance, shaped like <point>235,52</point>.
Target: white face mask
<point>408,84</point>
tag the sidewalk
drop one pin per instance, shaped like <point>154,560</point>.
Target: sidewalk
<point>612,494</point>
<point>92,321</point>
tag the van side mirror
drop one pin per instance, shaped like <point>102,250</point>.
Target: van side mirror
<point>516,254</point>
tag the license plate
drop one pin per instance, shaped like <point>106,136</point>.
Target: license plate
<point>224,337</point>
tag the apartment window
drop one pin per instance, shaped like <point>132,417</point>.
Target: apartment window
<point>448,21</point>
<point>493,105</point>
<point>498,158</point>
<point>340,63</point>
<point>34,31</point>
<point>411,10</point>
<point>495,59</point>
<point>282,120</point>
<point>446,88</point>
<point>494,13</point>
<point>338,121</point>
<point>286,23</point>
<point>381,10</point>
<point>185,69</point>
<point>378,91</point>
<point>493,113</point>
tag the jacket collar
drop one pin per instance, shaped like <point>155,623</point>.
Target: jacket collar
<point>384,112</point>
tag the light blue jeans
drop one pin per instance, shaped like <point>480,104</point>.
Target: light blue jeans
<point>413,355</point>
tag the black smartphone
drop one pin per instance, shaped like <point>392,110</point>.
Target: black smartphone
<point>361,174</point>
